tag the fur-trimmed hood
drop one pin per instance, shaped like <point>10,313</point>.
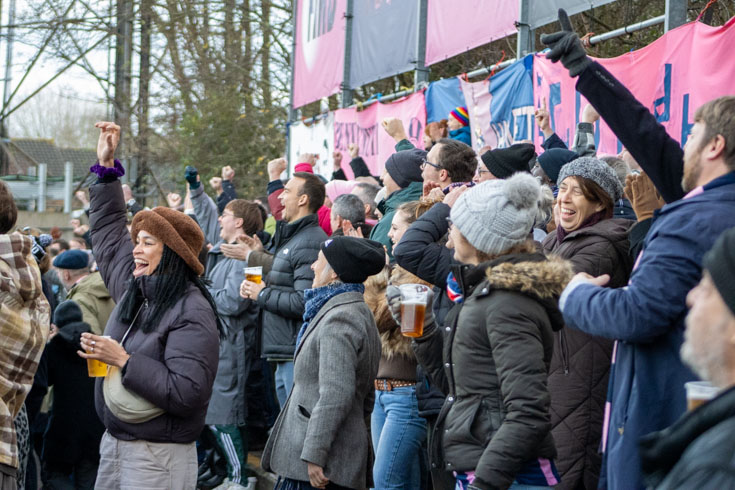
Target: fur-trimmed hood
<point>545,279</point>
<point>391,340</point>
<point>533,275</point>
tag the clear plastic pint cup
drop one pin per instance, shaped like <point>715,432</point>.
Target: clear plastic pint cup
<point>254,274</point>
<point>413,309</point>
<point>699,393</point>
<point>95,368</point>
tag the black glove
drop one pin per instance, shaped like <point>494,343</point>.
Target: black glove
<point>190,175</point>
<point>566,46</point>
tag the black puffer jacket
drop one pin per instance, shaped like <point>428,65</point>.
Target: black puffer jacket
<point>581,363</point>
<point>421,253</point>
<point>696,452</point>
<point>492,362</point>
<point>295,246</point>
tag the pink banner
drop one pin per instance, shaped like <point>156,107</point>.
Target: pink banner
<point>460,25</point>
<point>319,51</point>
<point>363,128</point>
<point>673,76</point>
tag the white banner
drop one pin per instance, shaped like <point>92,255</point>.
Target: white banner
<point>317,138</point>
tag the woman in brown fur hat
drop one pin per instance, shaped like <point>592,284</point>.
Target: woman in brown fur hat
<point>161,342</point>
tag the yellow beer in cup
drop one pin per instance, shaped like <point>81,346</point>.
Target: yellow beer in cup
<point>95,368</point>
<point>254,274</point>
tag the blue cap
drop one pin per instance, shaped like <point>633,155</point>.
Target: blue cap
<point>72,259</point>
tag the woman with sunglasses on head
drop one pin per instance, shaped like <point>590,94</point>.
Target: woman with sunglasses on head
<point>161,342</point>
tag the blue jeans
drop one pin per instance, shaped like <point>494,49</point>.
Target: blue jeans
<point>514,486</point>
<point>397,431</point>
<point>284,381</point>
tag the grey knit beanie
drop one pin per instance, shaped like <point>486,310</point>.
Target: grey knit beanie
<point>597,171</point>
<point>498,214</point>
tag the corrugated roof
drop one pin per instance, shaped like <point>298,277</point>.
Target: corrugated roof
<point>27,153</point>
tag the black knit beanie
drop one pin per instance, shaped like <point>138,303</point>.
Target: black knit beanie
<point>67,312</point>
<point>404,166</point>
<point>354,259</point>
<point>504,162</point>
<point>554,159</point>
<point>720,263</point>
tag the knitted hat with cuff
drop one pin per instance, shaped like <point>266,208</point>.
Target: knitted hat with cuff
<point>504,162</point>
<point>554,159</point>
<point>354,259</point>
<point>720,263</point>
<point>176,230</point>
<point>595,170</point>
<point>404,166</point>
<point>497,215</point>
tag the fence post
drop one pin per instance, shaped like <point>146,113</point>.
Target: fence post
<point>421,73</point>
<point>68,185</point>
<point>42,171</point>
<point>676,14</point>
<point>346,90</point>
<point>526,41</point>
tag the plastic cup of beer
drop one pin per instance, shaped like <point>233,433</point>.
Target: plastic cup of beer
<point>95,368</point>
<point>699,393</point>
<point>413,309</point>
<point>254,274</point>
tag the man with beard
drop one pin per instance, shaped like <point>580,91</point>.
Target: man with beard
<point>696,452</point>
<point>647,316</point>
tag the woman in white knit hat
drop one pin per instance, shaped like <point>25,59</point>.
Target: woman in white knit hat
<point>492,359</point>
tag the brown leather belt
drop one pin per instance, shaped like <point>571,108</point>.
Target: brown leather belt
<point>390,384</point>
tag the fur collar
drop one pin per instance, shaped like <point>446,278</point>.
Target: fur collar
<point>544,279</point>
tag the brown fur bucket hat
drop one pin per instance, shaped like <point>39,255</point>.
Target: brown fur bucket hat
<point>176,230</point>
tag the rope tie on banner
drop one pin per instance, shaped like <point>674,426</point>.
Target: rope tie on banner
<point>709,4</point>
<point>492,72</point>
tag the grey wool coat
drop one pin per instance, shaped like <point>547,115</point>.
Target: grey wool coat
<point>323,421</point>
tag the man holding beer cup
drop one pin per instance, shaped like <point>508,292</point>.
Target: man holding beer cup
<point>228,409</point>
<point>696,452</point>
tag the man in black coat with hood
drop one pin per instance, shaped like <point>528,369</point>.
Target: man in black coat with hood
<point>72,440</point>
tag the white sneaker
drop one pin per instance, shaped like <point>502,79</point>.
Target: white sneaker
<point>252,483</point>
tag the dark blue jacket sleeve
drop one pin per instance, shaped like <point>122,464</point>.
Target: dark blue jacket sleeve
<point>653,301</point>
<point>419,251</point>
<point>553,141</point>
<point>638,130</point>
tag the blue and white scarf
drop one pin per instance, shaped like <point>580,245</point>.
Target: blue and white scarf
<point>317,297</point>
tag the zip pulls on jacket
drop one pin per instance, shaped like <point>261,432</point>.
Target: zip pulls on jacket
<point>564,351</point>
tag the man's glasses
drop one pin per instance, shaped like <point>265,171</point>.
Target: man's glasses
<point>426,162</point>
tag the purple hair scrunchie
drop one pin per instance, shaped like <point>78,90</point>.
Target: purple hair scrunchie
<point>102,172</point>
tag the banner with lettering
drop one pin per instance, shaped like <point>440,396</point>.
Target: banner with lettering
<point>316,138</point>
<point>672,76</point>
<point>363,128</point>
<point>460,25</point>
<point>384,36</point>
<point>319,51</point>
<point>501,107</point>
